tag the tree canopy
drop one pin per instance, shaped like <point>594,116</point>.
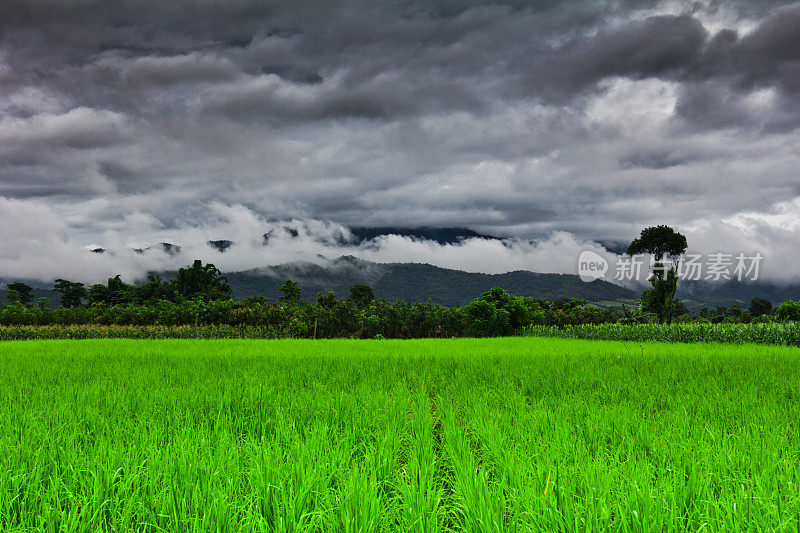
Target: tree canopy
<point>24,291</point>
<point>659,241</point>
<point>361,295</point>
<point>72,293</point>
<point>290,293</point>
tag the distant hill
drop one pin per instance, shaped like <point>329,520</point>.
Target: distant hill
<point>696,294</point>
<point>416,282</point>
<point>53,296</point>
<point>448,287</point>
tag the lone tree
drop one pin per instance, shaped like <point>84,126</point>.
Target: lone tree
<point>666,246</point>
<point>24,292</point>
<point>758,307</point>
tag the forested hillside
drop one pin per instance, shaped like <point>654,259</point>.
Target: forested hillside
<point>417,282</point>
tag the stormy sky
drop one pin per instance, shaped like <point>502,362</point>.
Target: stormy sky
<point>557,124</point>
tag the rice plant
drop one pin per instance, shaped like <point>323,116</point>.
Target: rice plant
<point>511,434</point>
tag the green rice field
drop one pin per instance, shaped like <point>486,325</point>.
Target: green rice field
<point>511,434</point>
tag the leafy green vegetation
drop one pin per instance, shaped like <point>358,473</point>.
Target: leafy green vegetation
<point>199,296</point>
<point>394,282</point>
<point>453,288</point>
<point>666,246</point>
<point>494,313</point>
<point>779,333</point>
<point>514,434</point>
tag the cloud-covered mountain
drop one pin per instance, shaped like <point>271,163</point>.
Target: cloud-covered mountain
<point>413,282</point>
<point>419,282</point>
<point>361,237</point>
<point>235,238</point>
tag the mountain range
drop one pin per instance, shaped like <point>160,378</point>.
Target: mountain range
<point>448,287</point>
<point>416,282</point>
<point>358,236</point>
<point>422,282</point>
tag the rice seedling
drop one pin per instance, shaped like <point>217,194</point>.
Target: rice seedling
<point>512,434</point>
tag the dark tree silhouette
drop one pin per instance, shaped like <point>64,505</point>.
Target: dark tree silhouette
<point>666,246</point>
<point>72,293</point>
<point>114,293</point>
<point>760,306</point>
<point>24,292</point>
<point>201,281</point>
<point>659,241</point>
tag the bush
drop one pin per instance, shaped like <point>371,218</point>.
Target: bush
<point>788,311</point>
<point>482,319</point>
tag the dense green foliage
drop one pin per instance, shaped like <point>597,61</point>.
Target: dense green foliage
<point>777,333</point>
<point>72,293</point>
<point>20,292</point>
<point>437,435</point>
<point>91,331</point>
<point>760,310</point>
<point>659,241</point>
<point>780,333</point>
<point>495,313</point>
<point>290,293</point>
<point>788,311</point>
<point>760,307</point>
<point>665,245</point>
<point>200,296</point>
<point>197,282</point>
<point>659,299</point>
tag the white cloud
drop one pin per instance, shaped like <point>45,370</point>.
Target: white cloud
<point>79,127</point>
<point>49,248</point>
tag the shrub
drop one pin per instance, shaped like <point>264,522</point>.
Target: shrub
<point>788,311</point>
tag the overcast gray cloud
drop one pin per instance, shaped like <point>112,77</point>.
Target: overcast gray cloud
<point>125,124</point>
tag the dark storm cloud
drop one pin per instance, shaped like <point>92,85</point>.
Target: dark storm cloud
<point>391,60</point>
<point>655,159</point>
<point>519,118</point>
<point>188,68</point>
<point>290,73</point>
<point>770,54</point>
<point>659,46</point>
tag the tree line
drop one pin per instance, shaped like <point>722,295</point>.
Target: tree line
<point>200,295</point>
